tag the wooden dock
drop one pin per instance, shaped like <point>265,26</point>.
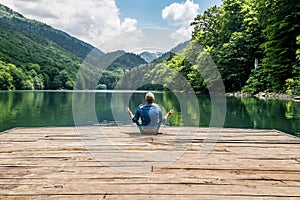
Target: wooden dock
<point>85,163</point>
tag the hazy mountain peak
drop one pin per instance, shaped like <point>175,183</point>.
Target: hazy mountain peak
<point>150,56</point>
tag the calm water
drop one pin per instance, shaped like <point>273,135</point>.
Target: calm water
<point>39,109</point>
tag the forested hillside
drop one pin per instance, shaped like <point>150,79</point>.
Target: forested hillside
<point>35,56</point>
<point>254,43</point>
<point>29,61</point>
<point>116,70</point>
<point>60,38</point>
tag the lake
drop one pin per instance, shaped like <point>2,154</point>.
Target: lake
<point>72,108</point>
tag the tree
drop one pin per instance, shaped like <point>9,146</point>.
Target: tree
<point>17,75</point>
<point>206,27</point>
<point>232,54</point>
<point>11,77</point>
<point>231,19</point>
<point>281,21</point>
<point>6,81</point>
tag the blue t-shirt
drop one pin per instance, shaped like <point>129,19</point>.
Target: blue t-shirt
<point>149,115</point>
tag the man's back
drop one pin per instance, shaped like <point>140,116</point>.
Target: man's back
<point>150,115</point>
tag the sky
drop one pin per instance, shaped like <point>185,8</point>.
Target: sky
<point>106,23</point>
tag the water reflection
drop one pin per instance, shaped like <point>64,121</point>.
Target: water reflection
<point>47,108</point>
<point>274,114</point>
<point>30,109</point>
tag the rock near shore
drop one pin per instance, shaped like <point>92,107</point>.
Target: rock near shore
<point>263,95</point>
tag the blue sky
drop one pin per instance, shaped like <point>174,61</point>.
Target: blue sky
<point>148,12</point>
<point>99,21</point>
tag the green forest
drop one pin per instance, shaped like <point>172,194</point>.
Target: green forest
<point>35,56</point>
<point>29,61</point>
<point>255,45</point>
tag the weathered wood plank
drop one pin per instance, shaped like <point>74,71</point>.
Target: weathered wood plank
<point>60,163</point>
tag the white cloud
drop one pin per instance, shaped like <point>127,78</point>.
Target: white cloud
<point>185,31</point>
<point>181,14</point>
<point>93,21</point>
<point>145,39</point>
<point>129,24</point>
<point>126,41</point>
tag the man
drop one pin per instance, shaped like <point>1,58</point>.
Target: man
<point>148,116</point>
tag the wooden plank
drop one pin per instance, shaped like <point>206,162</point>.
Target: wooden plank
<point>62,163</point>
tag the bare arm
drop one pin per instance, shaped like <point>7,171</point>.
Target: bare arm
<point>130,113</point>
<point>168,114</point>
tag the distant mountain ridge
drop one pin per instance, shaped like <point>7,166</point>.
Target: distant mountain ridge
<point>150,56</point>
<point>159,56</point>
<point>172,52</point>
<point>126,61</point>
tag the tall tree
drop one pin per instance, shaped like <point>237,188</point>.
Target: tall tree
<point>281,21</point>
<point>206,27</point>
<point>233,53</point>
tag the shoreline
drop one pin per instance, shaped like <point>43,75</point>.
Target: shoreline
<point>265,95</point>
<point>260,95</point>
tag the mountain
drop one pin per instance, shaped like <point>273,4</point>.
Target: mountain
<point>172,52</point>
<point>32,27</point>
<point>122,63</point>
<point>181,46</point>
<point>126,61</point>
<point>30,61</point>
<point>34,55</point>
<point>149,57</point>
